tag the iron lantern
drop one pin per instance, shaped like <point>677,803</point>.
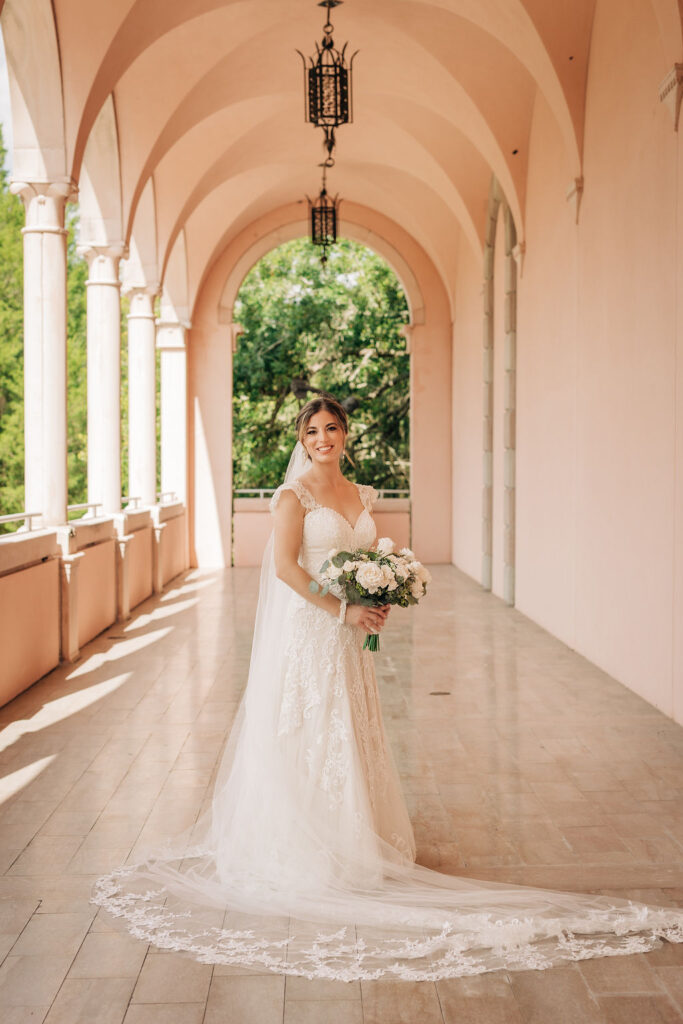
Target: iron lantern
<point>328,86</point>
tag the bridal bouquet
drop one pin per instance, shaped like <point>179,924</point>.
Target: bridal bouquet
<point>374,578</point>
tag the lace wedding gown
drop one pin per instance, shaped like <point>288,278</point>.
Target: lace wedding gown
<point>305,863</point>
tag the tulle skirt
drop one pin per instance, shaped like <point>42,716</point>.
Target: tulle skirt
<point>304,863</point>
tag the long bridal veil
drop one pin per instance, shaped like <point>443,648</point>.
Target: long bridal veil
<point>273,876</point>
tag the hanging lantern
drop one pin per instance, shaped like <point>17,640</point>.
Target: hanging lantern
<point>324,219</point>
<point>328,91</point>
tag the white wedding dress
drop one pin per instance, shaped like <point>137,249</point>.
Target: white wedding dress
<point>305,863</point>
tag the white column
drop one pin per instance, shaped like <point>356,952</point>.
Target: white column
<point>45,347</point>
<point>142,425</point>
<point>171,344</point>
<point>104,375</point>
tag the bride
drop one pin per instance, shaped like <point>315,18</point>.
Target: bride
<point>304,863</point>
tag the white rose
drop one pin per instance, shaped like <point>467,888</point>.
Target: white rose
<point>389,580</point>
<point>401,568</point>
<point>334,571</point>
<point>385,545</point>
<point>407,553</point>
<point>417,590</point>
<point>350,566</point>
<point>424,574</point>
<point>370,577</point>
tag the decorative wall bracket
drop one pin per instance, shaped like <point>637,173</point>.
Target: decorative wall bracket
<point>574,195</point>
<point>671,92</point>
<point>518,253</point>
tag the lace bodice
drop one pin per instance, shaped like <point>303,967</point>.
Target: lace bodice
<point>325,528</point>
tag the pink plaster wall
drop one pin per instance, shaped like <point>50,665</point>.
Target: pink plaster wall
<point>597,372</point>
<point>546,391</point>
<point>29,626</point>
<point>96,590</point>
<point>140,565</point>
<point>467,414</point>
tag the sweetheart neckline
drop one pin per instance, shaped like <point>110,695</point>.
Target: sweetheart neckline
<point>330,509</point>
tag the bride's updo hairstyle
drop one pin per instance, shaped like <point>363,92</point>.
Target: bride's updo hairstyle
<point>323,402</point>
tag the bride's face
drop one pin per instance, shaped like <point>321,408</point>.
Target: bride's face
<point>323,437</point>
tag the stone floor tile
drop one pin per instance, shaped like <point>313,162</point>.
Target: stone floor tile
<point>52,933</point>
<point>401,1002</point>
<point>46,855</point>
<point>31,980</point>
<point>645,825</point>
<point>14,915</point>
<point>324,1011</point>
<point>620,974</point>
<point>91,1001</point>
<point>24,1014</point>
<point>69,823</point>
<point>166,1013</point>
<point>480,999</point>
<point>109,955</point>
<point>555,996</point>
<point>639,1010</point>
<point>671,978</point>
<point>596,839</point>
<point>241,998</point>
<point>319,990</point>
<point>170,978</point>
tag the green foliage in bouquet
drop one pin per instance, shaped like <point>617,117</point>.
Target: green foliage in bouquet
<point>374,578</point>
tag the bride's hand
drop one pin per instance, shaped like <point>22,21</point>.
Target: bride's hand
<point>369,619</point>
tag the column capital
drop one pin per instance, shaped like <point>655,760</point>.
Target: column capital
<point>172,334</point>
<point>45,202</point>
<point>103,261</point>
<point>152,289</point>
<point>141,301</point>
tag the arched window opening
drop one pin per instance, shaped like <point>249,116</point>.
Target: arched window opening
<point>309,329</point>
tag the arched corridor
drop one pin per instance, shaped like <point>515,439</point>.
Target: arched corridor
<point>518,164</point>
<point>521,761</point>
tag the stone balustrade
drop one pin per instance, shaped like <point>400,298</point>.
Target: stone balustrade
<point>60,587</point>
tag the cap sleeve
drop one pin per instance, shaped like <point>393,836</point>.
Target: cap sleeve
<point>305,497</point>
<point>368,496</point>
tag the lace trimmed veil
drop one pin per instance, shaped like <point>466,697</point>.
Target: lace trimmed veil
<point>268,879</point>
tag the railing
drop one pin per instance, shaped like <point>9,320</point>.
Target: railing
<point>85,506</point>
<point>16,517</point>
<point>267,492</point>
<point>167,497</point>
<point>133,503</point>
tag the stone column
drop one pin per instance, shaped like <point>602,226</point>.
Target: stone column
<point>171,336</point>
<point>104,375</point>
<point>45,347</point>
<point>142,420</point>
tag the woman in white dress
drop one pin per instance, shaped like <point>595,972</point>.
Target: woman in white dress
<point>304,863</point>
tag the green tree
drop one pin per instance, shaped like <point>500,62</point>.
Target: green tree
<point>310,329</point>
<point>12,359</point>
<point>77,384</point>
<point>11,348</point>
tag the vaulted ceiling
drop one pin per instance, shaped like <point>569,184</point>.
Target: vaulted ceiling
<point>182,120</point>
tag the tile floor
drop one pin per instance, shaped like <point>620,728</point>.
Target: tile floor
<point>521,761</point>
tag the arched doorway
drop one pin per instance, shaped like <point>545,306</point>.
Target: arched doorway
<point>210,347</point>
<point>306,329</point>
